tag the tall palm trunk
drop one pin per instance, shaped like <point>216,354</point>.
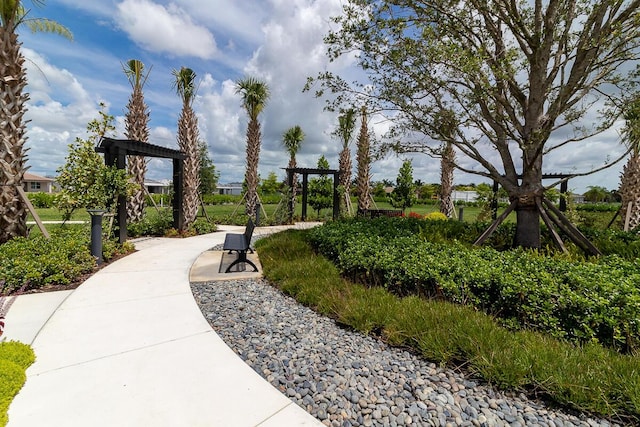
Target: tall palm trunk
<point>364,165</point>
<point>254,98</point>
<point>187,139</point>
<point>137,129</point>
<point>292,140</point>
<point>346,126</point>
<point>447,166</point>
<point>345,177</point>
<point>251,174</point>
<point>630,191</point>
<point>294,186</point>
<point>13,211</point>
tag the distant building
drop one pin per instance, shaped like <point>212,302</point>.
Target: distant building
<point>158,187</point>
<point>464,196</point>
<point>578,198</point>
<point>37,184</point>
<point>231,189</point>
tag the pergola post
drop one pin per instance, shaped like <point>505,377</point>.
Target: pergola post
<point>563,191</point>
<point>290,203</point>
<point>178,213</point>
<point>121,215</point>
<point>304,195</point>
<point>336,196</point>
<point>305,181</point>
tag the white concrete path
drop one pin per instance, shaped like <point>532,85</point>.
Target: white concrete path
<point>130,347</point>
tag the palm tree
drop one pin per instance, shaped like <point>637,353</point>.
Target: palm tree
<point>137,129</point>
<point>254,98</point>
<point>630,180</point>
<point>346,127</point>
<point>13,211</point>
<point>188,138</point>
<point>292,140</point>
<point>364,165</point>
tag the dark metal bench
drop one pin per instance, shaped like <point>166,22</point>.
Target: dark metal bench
<point>241,244</point>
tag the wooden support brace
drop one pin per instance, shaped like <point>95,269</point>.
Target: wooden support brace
<point>571,230</point>
<point>27,202</point>
<point>489,231</point>
<point>549,222</point>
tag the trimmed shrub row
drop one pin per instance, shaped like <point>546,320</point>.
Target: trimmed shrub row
<point>582,301</point>
<point>40,261</point>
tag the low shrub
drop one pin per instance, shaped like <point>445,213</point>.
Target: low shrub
<point>112,249</point>
<point>154,223</point>
<point>597,207</point>
<point>40,261</point>
<point>160,200</point>
<point>436,216</point>
<point>41,200</point>
<point>220,199</point>
<point>202,226</point>
<point>15,358</point>
<point>581,301</point>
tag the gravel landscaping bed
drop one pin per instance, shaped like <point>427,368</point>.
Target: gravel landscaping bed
<point>345,378</point>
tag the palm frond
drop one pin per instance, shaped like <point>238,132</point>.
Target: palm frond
<point>255,94</point>
<point>292,139</point>
<point>44,25</point>
<point>134,70</point>
<point>184,84</point>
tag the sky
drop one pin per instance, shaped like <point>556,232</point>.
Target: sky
<point>278,41</point>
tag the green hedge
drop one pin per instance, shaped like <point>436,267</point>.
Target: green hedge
<point>40,261</point>
<point>41,200</point>
<point>581,301</point>
<point>597,207</point>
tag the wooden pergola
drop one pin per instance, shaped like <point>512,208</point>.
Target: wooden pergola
<point>305,172</point>
<point>116,152</point>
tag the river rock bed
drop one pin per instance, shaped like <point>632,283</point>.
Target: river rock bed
<point>344,378</point>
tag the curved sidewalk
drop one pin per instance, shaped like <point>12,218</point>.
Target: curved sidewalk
<point>129,347</point>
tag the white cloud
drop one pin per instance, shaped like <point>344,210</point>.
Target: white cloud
<point>58,111</point>
<point>163,29</point>
<point>280,41</point>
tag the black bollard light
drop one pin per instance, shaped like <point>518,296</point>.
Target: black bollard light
<point>96,233</point>
<point>460,213</point>
<point>258,207</point>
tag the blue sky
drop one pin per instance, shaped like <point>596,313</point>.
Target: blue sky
<point>279,41</point>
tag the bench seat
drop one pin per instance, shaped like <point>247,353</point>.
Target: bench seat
<point>240,243</point>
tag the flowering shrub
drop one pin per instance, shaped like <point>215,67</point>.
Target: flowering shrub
<point>436,216</point>
<point>414,215</point>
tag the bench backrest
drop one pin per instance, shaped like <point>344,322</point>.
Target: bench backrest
<point>248,231</point>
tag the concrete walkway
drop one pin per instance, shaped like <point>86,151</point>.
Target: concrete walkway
<point>130,347</point>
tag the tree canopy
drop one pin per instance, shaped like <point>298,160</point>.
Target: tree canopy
<point>519,79</point>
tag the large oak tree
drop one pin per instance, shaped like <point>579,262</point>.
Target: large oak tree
<point>522,78</point>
